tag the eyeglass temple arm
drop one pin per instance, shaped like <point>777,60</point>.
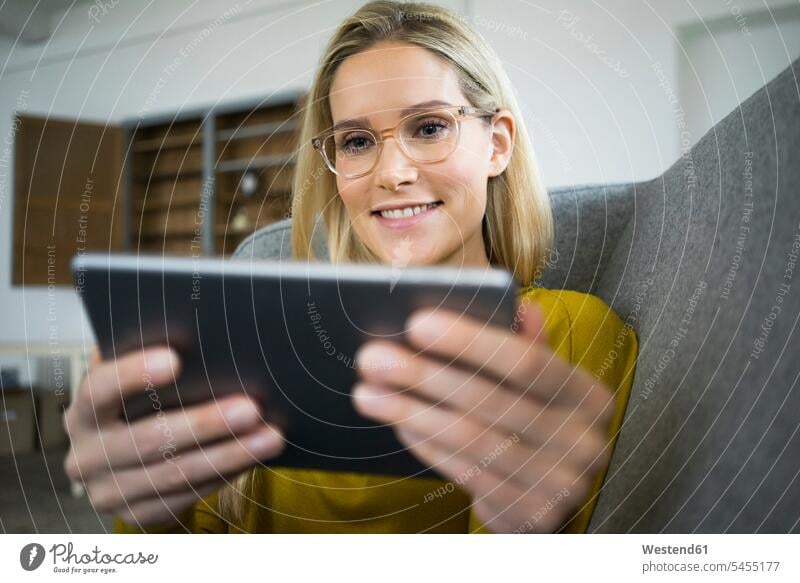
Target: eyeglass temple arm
<point>466,110</point>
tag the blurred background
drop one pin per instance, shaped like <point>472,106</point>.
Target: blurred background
<point>169,128</point>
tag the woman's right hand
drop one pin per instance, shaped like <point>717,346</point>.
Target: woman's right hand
<point>125,467</point>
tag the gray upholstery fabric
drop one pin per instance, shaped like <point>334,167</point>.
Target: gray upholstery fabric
<point>711,437</point>
<point>275,242</point>
<point>589,222</point>
<point>710,442</point>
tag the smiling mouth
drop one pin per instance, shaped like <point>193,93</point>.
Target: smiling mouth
<point>406,212</point>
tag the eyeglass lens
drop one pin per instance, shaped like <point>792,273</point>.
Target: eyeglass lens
<point>425,137</point>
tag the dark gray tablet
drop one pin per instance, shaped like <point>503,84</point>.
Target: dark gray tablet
<point>282,332</point>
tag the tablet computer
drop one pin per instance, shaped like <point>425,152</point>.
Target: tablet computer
<point>283,332</point>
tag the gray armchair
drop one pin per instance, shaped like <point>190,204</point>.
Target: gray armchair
<point>704,262</point>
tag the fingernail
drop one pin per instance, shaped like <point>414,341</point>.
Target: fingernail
<point>369,397</point>
<point>159,361</point>
<point>362,391</point>
<point>425,325</point>
<point>374,357</point>
<point>406,436</point>
<point>240,413</point>
<point>265,440</point>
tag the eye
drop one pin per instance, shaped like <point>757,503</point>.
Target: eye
<point>432,128</point>
<point>355,143</point>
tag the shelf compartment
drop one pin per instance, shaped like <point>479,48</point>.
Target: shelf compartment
<point>242,165</point>
<point>264,130</point>
<point>169,166</point>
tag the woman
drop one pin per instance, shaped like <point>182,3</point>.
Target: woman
<point>413,151</point>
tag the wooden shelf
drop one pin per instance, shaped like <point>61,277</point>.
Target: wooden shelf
<point>181,202</point>
<point>177,173</point>
<point>258,199</point>
<point>168,177</point>
<point>157,144</point>
<point>258,130</point>
<point>242,165</point>
<point>171,234</point>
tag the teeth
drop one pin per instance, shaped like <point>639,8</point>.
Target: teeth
<point>406,212</point>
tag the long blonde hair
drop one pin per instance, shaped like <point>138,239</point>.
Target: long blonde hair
<point>518,224</point>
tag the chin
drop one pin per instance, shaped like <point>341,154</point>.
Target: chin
<point>389,257</point>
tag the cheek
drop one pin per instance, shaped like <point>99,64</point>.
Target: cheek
<point>463,186</point>
<point>467,171</point>
<point>354,196</point>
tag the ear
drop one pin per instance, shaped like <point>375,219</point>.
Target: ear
<point>504,130</point>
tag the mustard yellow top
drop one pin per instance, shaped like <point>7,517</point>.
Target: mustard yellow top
<point>581,328</point>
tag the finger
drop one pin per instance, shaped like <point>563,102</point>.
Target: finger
<point>507,454</point>
<point>165,509</point>
<point>100,397</point>
<point>537,511</point>
<point>462,471</point>
<point>501,518</point>
<point>457,335</point>
<point>457,388</point>
<point>152,438</point>
<point>532,322</point>
<point>501,504</point>
<point>503,508</point>
<point>180,473</point>
<point>491,495</point>
<point>515,360</point>
<point>489,447</point>
<point>387,363</point>
<point>544,507</point>
<point>95,358</point>
<point>488,517</point>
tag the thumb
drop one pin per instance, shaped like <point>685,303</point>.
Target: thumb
<point>531,321</point>
<point>95,357</point>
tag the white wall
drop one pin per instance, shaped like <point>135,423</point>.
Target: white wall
<point>585,77</point>
<point>723,61</point>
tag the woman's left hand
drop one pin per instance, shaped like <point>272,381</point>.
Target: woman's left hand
<point>521,429</point>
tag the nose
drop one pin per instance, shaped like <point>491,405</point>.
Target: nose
<point>393,167</point>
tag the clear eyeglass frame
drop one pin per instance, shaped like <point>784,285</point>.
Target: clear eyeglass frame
<point>461,112</point>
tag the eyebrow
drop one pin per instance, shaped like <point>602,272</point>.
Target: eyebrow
<point>360,122</point>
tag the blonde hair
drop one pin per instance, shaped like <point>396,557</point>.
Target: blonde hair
<point>518,224</point>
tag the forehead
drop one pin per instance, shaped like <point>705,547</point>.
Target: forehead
<point>379,82</point>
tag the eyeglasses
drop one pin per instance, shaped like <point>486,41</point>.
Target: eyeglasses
<point>425,137</point>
